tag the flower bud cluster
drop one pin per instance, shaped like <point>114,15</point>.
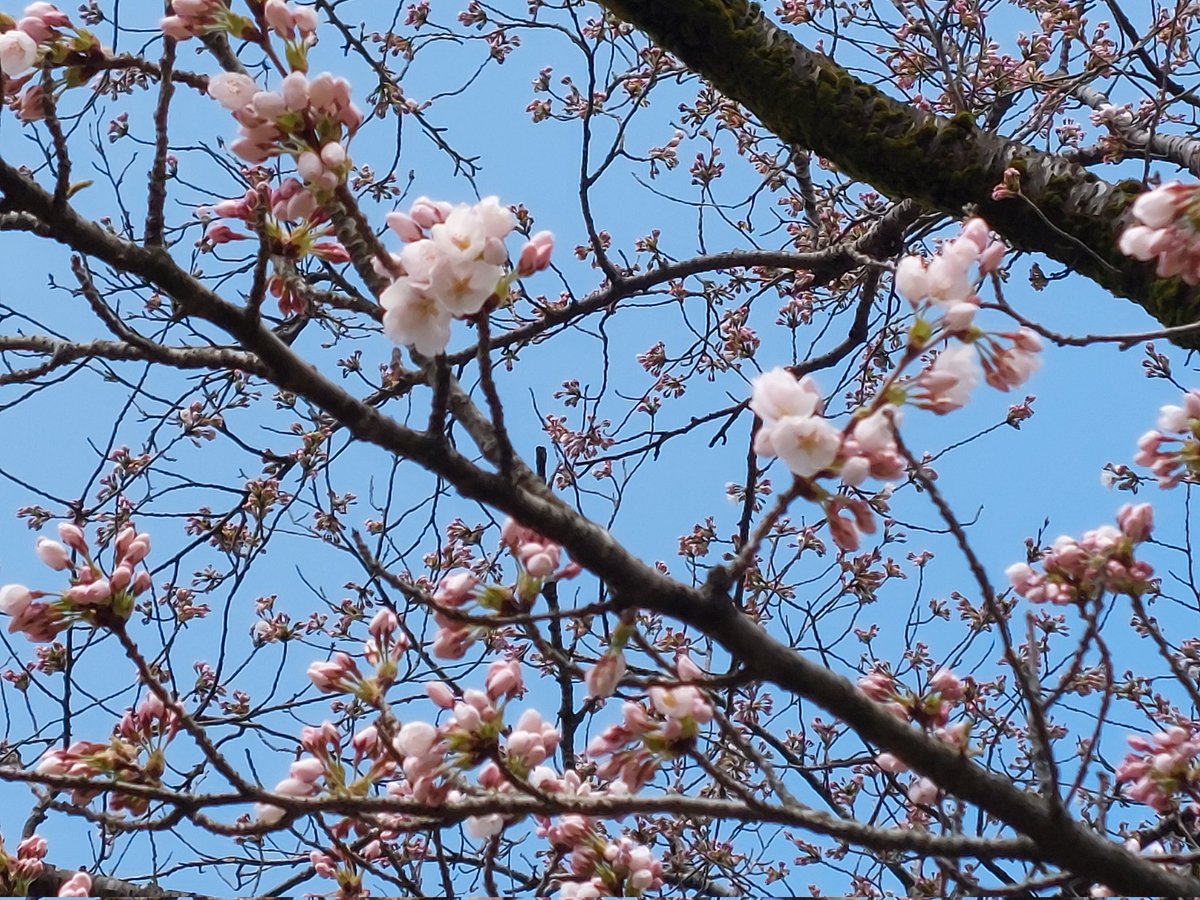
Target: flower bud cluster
<point>17,872</point>
<point>650,734</point>
<point>428,763</point>
<point>930,710</point>
<point>1077,571</point>
<point>312,235</point>
<point>92,596</point>
<point>599,866</point>
<point>303,780</point>
<point>1168,231</point>
<point>1172,450</point>
<point>384,647</point>
<point>454,592</point>
<point>307,119</point>
<point>191,18</point>
<point>120,759</point>
<point>540,558</point>
<point>1162,768</point>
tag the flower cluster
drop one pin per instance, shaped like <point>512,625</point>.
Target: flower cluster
<point>792,425</point>
<point>813,447</point>
<point>21,40</point>
<point>809,444</point>
<point>648,735</point>
<point>1172,450</point>
<point>1077,571</point>
<point>944,284</point>
<point>17,872</point>
<point>452,264</point>
<point>43,35</point>
<point>790,410</point>
<point>1168,230</point>
<point>1161,768</point>
<point>931,710</point>
<point>944,281</point>
<point>92,596</point>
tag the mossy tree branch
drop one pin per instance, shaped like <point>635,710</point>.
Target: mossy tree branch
<point>804,98</point>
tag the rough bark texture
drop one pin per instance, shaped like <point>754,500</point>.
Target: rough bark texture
<point>1066,212</point>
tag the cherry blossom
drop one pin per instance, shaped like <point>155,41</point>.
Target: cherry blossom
<point>18,53</point>
<point>1168,231</point>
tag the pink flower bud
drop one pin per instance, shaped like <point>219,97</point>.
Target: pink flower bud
<point>992,256</point>
<point>427,213</point>
<point>365,740</point>
<point>404,227</point>
<point>416,738</point>
<point>603,679</point>
<point>294,787</point>
<point>138,549</point>
<point>535,255</point>
<point>438,691</point>
<point>1158,208</point>
<point>976,231</point>
<point>947,684</point>
<point>141,582</point>
<point>333,155</point>
<point>877,686</point>
<point>504,679</point>
<point>305,18</point>
<point>33,847</point>
<point>53,554</point>
<point>1136,521</point>
<point>72,536</point>
<point>687,669</point>
<point>121,576</point>
<point>279,17</point>
<point>294,89</point>
<point>890,763</point>
<point>309,769</point>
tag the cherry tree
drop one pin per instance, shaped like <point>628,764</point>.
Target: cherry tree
<point>372,457</point>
